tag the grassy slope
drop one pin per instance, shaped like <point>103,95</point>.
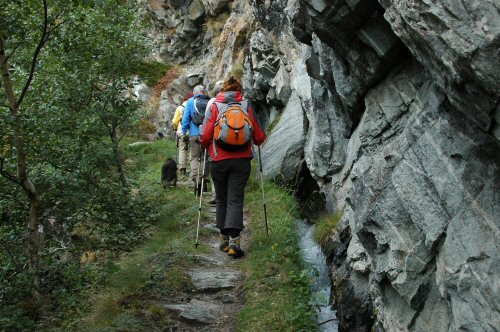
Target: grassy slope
<point>127,302</point>
<point>276,290</point>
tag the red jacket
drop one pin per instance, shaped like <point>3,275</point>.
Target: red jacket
<point>258,136</point>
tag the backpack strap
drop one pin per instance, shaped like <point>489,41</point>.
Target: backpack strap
<point>219,107</point>
<point>244,106</point>
<point>196,107</point>
<point>222,108</point>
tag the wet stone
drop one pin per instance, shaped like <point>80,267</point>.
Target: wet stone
<point>214,280</point>
<point>206,260</point>
<point>196,311</point>
<point>214,244</point>
<point>226,298</point>
<point>186,183</point>
<point>212,228</point>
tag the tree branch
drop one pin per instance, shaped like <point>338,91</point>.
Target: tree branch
<point>39,47</point>
<point>125,131</point>
<point>55,27</point>
<point>13,51</point>
<point>14,260</point>
<point>102,119</point>
<point>6,174</point>
<point>44,159</point>
<point>14,199</point>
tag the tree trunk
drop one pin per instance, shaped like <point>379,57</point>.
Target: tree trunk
<point>36,235</point>
<point>118,158</point>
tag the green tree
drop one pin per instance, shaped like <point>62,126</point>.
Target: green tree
<point>15,100</point>
<point>64,110</point>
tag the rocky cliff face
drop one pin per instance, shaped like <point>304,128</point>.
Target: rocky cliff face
<point>390,110</point>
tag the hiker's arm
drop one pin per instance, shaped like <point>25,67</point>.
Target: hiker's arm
<point>177,117</point>
<point>186,117</point>
<point>207,129</point>
<point>258,135</point>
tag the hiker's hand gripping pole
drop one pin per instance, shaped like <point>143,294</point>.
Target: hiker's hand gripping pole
<point>263,195</point>
<point>201,196</point>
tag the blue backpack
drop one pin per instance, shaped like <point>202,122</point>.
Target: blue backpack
<point>200,105</point>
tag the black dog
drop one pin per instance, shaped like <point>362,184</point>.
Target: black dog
<point>169,173</point>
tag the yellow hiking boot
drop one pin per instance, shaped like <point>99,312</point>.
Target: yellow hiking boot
<point>235,250</point>
<point>224,243</point>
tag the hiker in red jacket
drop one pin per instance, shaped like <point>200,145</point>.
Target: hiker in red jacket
<point>228,130</point>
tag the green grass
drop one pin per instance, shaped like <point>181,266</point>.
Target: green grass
<point>151,71</point>
<point>273,124</point>
<point>325,228</point>
<point>238,70</point>
<point>176,279</point>
<point>121,305</point>
<point>277,289</point>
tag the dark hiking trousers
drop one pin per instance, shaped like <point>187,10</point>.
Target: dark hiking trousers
<point>230,177</point>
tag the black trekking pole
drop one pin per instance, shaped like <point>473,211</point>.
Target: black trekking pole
<point>201,196</point>
<point>263,195</point>
<point>177,149</point>
<point>196,192</point>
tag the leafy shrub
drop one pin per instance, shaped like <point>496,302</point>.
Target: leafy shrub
<point>150,71</point>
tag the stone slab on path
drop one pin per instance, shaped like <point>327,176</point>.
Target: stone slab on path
<point>201,312</point>
<point>214,280</point>
<point>212,228</point>
<point>207,260</point>
<point>185,183</point>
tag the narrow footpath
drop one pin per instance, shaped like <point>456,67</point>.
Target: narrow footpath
<point>166,284</point>
<point>216,296</point>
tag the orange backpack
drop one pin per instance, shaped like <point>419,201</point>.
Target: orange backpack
<point>233,127</point>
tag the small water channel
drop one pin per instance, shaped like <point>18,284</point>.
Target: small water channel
<point>318,269</point>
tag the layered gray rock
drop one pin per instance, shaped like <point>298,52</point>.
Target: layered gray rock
<point>418,181</point>
<point>403,165</point>
<point>165,113</point>
<point>213,280</point>
<point>392,108</point>
<point>279,163</point>
<point>262,66</point>
<point>181,31</point>
<point>196,311</point>
<point>227,47</point>
<point>140,91</point>
<point>215,7</point>
<point>459,43</point>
